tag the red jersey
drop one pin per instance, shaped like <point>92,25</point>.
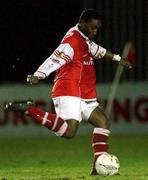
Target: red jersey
<point>78,77</point>
<point>75,71</point>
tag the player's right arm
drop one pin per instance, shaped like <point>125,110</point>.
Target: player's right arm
<point>62,55</point>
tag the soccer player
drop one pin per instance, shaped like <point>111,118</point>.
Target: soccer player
<point>74,93</point>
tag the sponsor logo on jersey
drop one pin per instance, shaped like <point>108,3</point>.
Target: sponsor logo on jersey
<point>56,61</point>
<point>91,62</point>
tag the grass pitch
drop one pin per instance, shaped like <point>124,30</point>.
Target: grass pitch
<point>54,158</point>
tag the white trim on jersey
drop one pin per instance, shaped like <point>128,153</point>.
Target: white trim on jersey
<point>62,55</point>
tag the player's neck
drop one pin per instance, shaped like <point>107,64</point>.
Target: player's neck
<point>81,30</point>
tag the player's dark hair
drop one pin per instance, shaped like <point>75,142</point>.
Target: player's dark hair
<point>89,14</point>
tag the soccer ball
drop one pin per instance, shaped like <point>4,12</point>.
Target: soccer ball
<point>107,165</point>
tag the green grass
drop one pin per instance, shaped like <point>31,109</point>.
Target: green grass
<point>55,158</point>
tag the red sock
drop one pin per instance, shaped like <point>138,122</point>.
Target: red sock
<point>50,121</point>
<point>99,142</point>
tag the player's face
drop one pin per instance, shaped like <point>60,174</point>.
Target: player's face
<point>90,28</point>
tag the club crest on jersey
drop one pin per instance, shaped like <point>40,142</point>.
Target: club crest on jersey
<point>62,55</point>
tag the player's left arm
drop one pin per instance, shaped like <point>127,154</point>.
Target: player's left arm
<point>118,58</point>
<point>99,52</point>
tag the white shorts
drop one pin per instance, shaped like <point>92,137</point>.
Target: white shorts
<point>70,107</point>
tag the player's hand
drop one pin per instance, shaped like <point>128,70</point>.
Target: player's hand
<point>126,63</point>
<point>32,79</point>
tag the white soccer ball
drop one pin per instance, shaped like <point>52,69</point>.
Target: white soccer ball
<point>107,164</point>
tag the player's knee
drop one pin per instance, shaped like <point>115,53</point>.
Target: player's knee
<point>104,124</point>
<point>70,134</point>
<point>107,124</point>
<point>72,129</point>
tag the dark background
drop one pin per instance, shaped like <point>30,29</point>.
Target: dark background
<point>29,32</point>
<point>31,29</point>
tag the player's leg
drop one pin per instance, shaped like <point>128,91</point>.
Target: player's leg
<point>54,122</point>
<point>60,126</point>
<point>100,134</point>
<point>99,119</point>
<point>72,128</point>
<point>69,109</point>
<point>95,116</point>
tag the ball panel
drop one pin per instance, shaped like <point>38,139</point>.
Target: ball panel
<point>107,164</point>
